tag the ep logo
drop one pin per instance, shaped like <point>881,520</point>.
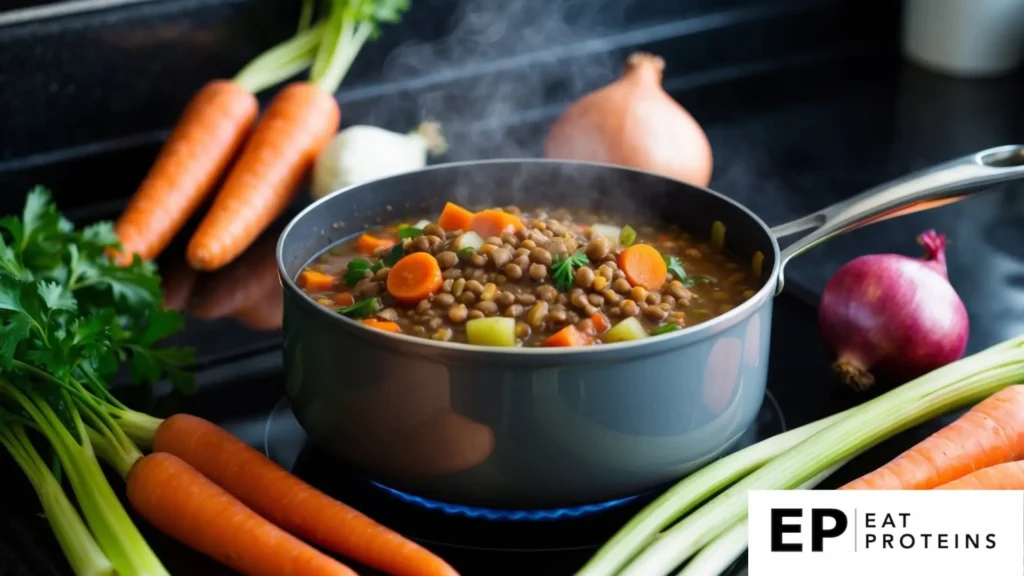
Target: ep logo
<point>788,526</point>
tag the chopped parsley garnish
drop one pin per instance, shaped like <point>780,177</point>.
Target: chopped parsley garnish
<point>675,267</point>
<point>665,329</point>
<point>563,269</point>
<point>394,256</point>
<point>627,236</point>
<point>357,269</point>
<point>467,251</point>
<point>409,232</point>
<point>360,309</point>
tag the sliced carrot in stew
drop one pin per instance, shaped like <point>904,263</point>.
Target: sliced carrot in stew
<point>414,278</point>
<point>316,281</point>
<point>643,266</point>
<point>568,336</point>
<point>455,217</point>
<point>368,244</point>
<point>601,323</point>
<point>382,325</point>
<point>344,299</point>
<point>489,223</point>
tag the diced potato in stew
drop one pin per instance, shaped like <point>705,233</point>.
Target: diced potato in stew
<point>507,277</point>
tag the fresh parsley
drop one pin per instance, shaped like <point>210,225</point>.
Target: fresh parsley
<point>563,269</point>
<point>466,252</point>
<point>394,255</point>
<point>409,232</point>
<point>665,329</point>
<point>357,269</point>
<point>69,313</point>
<point>360,309</point>
<point>675,267</point>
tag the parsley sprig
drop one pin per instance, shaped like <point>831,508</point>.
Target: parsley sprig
<point>675,267</point>
<point>563,269</point>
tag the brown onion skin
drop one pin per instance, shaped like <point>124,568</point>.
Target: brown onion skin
<point>892,314</point>
<point>633,122</point>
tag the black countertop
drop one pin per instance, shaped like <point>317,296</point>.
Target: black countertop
<point>786,142</point>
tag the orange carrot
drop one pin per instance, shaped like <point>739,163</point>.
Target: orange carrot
<point>316,281</point>
<point>489,223</point>
<point>182,503</point>
<point>289,502</point>
<point>414,278</point>
<point>990,433</point>
<point>643,266</point>
<point>382,325</point>
<point>294,129</point>
<point>601,323</point>
<point>568,336</point>
<point>455,217</point>
<point>1005,476</point>
<point>191,162</point>
<point>368,244</point>
<point>344,299</point>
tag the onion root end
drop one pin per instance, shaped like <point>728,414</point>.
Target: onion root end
<point>853,375</point>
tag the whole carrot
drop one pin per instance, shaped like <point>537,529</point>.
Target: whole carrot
<point>200,148</point>
<point>284,145</point>
<point>991,433</point>
<point>182,503</point>
<point>294,130</point>
<point>1005,476</point>
<point>289,502</point>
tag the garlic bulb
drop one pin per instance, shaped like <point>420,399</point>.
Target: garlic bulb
<point>361,153</point>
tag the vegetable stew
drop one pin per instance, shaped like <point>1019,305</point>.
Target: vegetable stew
<point>511,277</point>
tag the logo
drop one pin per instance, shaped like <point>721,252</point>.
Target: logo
<point>876,533</point>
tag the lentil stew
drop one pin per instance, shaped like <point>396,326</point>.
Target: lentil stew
<point>513,277</point>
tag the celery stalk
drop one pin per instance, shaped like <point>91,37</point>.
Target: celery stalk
<point>80,548</point>
<point>716,557</point>
<point>954,386</point>
<point>689,493</point>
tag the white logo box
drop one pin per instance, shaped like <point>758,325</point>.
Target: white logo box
<point>930,532</point>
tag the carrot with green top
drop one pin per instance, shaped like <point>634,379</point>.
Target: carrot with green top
<point>414,278</point>
<point>284,145</point>
<point>1005,476</point>
<point>989,434</point>
<point>202,145</point>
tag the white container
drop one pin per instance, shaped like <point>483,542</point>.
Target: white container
<point>969,38</point>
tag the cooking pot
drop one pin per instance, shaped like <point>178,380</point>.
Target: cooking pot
<point>532,428</point>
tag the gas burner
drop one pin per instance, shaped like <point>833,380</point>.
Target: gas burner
<point>444,524</point>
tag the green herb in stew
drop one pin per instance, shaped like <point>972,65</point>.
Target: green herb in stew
<point>564,269</point>
<point>627,236</point>
<point>360,309</point>
<point>665,329</point>
<point>409,232</point>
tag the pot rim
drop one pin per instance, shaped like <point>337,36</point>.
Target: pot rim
<point>679,337</point>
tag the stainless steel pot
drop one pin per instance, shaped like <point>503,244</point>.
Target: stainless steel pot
<point>535,428</point>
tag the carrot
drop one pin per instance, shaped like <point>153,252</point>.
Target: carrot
<point>289,502</point>
<point>182,503</point>
<point>489,223</point>
<point>344,299</point>
<point>568,336</point>
<point>206,139</point>
<point>1005,476</point>
<point>991,433</point>
<point>294,129</point>
<point>455,217</point>
<point>317,281</point>
<point>382,325</point>
<point>643,266</point>
<point>601,323</point>
<point>414,278</point>
<point>191,162</point>
<point>368,244</point>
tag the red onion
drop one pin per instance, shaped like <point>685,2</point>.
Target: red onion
<point>893,314</point>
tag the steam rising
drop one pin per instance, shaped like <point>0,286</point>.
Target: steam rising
<point>505,70</point>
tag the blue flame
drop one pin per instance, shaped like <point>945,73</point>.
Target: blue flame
<point>500,514</point>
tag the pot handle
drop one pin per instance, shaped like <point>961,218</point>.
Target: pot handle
<point>928,188</point>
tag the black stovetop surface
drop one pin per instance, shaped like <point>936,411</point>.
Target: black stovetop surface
<point>820,137</point>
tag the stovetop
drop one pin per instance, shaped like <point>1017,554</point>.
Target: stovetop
<point>820,138</point>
